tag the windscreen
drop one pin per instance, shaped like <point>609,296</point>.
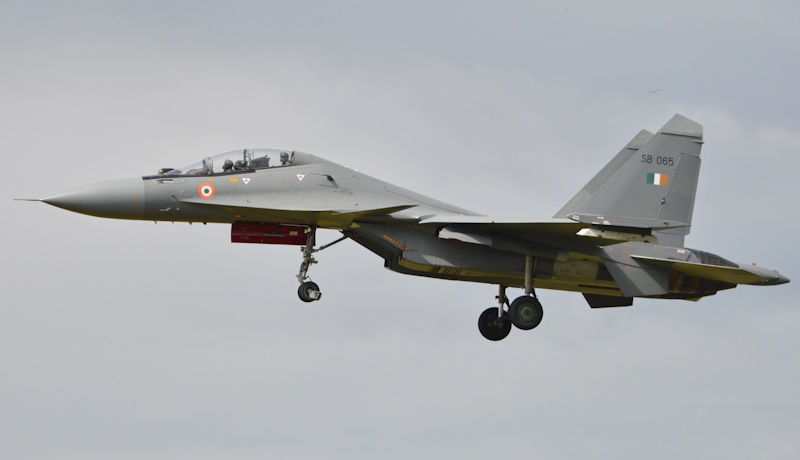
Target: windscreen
<point>237,160</point>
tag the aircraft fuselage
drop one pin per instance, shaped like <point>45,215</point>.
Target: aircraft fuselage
<point>619,238</point>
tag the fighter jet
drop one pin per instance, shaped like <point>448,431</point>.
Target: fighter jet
<point>620,237</point>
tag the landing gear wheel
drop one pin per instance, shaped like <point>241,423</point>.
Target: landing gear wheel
<point>492,327</point>
<point>525,312</point>
<point>309,292</point>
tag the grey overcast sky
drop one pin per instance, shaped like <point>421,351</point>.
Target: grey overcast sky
<point>131,340</point>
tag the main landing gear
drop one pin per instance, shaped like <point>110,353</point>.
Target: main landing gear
<point>525,312</point>
<point>309,290</point>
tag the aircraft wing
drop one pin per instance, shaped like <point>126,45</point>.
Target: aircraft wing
<point>557,232</point>
<point>550,227</point>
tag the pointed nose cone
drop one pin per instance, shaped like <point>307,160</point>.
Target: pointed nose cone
<point>117,199</point>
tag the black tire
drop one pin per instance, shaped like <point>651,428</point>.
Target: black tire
<point>525,312</point>
<point>304,291</point>
<point>492,327</point>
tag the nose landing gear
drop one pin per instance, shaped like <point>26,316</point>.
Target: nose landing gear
<point>309,290</point>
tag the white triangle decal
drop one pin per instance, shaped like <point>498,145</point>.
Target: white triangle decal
<point>300,176</point>
<point>246,180</point>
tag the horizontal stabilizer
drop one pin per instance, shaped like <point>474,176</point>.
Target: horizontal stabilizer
<point>736,275</point>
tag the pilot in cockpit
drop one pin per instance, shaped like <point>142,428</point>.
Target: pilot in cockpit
<point>227,166</point>
<point>240,165</point>
<point>284,158</point>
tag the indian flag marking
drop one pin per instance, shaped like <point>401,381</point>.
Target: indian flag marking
<point>657,179</point>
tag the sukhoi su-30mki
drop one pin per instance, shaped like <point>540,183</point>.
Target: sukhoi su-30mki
<point>620,237</point>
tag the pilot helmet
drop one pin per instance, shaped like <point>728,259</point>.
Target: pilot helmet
<point>284,158</point>
<point>227,166</point>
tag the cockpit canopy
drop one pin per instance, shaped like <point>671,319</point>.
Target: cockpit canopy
<point>239,160</point>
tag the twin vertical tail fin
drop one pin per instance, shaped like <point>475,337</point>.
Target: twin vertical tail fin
<point>650,184</point>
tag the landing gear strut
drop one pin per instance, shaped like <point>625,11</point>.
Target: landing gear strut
<point>309,290</point>
<point>525,312</point>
